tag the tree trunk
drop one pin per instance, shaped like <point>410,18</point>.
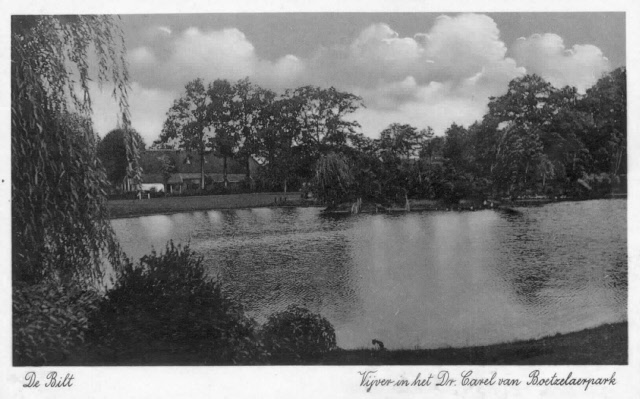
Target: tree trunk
<point>248,176</point>
<point>224,171</point>
<point>618,160</point>
<point>201,171</point>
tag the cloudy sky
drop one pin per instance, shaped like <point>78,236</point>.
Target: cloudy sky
<point>425,69</point>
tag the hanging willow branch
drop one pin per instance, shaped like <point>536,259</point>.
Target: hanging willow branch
<point>333,178</point>
<point>60,224</point>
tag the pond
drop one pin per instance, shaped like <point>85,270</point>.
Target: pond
<point>416,280</point>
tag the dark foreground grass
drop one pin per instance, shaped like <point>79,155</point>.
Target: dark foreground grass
<point>607,344</point>
<point>604,345</point>
<point>167,205</point>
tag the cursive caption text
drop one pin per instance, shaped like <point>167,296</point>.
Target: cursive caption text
<point>52,380</point>
<point>468,378</point>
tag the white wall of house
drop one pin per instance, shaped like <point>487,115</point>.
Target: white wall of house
<point>148,186</point>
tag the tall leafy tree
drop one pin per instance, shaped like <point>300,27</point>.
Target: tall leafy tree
<point>567,156</point>
<point>432,149</point>
<point>112,152</point>
<point>457,146</point>
<point>59,219</point>
<point>519,156</point>
<point>286,159</point>
<point>606,102</point>
<point>515,125</point>
<point>189,125</point>
<point>398,148</point>
<point>220,113</point>
<point>365,165</point>
<point>527,101</point>
<point>250,114</point>
<point>303,124</point>
<point>402,140</point>
<point>322,116</point>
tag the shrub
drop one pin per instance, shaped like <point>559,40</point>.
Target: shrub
<point>167,305</point>
<point>49,322</point>
<point>296,334</point>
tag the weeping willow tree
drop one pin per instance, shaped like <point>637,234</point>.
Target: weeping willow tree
<point>333,180</point>
<point>60,226</point>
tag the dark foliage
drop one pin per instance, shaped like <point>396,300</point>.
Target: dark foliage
<point>296,335</point>
<point>112,152</point>
<point>59,222</point>
<point>49,322</point>
<point>168,304</point>
<point>333,178</point>
<point>535,140</point>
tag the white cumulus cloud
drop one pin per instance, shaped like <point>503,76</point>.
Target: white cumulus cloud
<point>147,107</point>
<point>219,54</point>
<point>546,55</point>
<point>435,104</point>
<point>461,46</point>
<point>432,78</point>
<point>429,79</point>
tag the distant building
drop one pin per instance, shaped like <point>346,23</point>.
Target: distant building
<point>183,171</point>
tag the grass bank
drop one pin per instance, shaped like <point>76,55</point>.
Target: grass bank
<point>604,345</point>
<point>124,208</point>
<point>607,344</point>
<point>131,208</point>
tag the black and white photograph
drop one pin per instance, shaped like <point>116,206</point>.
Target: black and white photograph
<point>391,195</point>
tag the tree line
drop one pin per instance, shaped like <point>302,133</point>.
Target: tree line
<point>288,132</point>
<point>534,140</point>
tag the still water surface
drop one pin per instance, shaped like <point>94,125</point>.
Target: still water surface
<point>425,280</point>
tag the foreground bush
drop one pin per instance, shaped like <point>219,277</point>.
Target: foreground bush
<point>49,322</point>
<point>167,306</point>
<point>296,335</point>
<point>164,310</point>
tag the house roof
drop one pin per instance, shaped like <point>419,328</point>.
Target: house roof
<point>187,167</point>
<point>191,176</point>
<point>151,162</point>
<point>178,178</point>
<point>152,178</point>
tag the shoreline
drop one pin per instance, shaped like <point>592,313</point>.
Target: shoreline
<point>606,344</point>
<point>127,208</point>
<point>603,345</point>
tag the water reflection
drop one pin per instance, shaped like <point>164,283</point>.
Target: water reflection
<point>422,279</point>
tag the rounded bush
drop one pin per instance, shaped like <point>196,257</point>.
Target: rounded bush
<point>166,307</point>
<point>296,334</point>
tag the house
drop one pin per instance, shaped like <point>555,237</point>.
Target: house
<point>178,171</point>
